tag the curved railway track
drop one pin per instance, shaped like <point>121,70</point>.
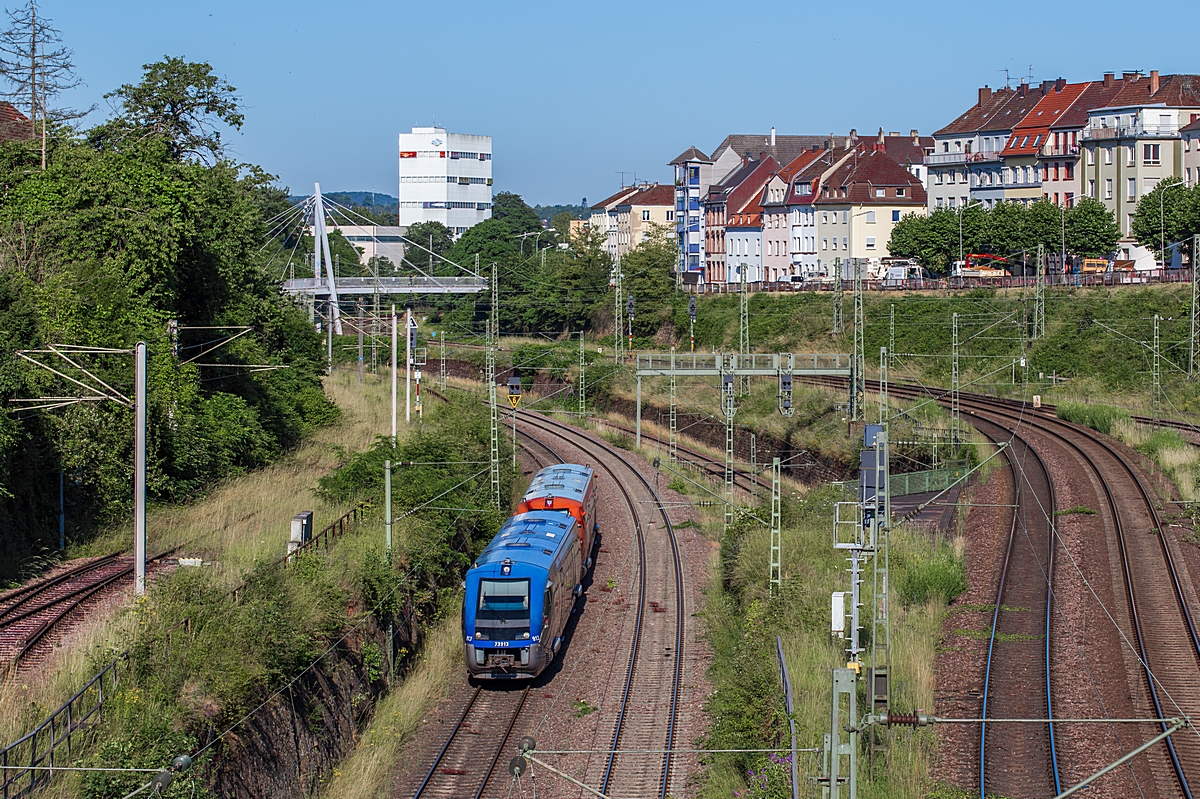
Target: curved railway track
<point>28,615</point>
<point>1028,763</point>
<point>646,718</point>
<point>467,760</point>
<point>1160,626</point>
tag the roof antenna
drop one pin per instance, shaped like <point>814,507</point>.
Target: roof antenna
<point>1031,74</point>
<point>1006,79</point>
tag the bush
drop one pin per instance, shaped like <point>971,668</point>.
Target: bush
<point>1097,417</point>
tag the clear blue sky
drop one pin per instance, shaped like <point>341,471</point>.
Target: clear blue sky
<point>574,92</point>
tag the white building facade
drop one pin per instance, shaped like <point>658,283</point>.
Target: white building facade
<point>445,177</point>
<point>384,241</point>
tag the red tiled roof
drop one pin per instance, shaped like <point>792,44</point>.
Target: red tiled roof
<point>1193,126</point>
<point>623,193</point>
<point>862,175</point>
<point>1031,133</point>
<point>652,195</point>
<point>1174,91</point>
<point>690,154</point>
<point>1096,95</point>
<point>13,124</point>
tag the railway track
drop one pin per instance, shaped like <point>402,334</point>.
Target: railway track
<point>647,716</point>
<point>1159,626</point>
<point>1019,638</point>
<point>29,615</point>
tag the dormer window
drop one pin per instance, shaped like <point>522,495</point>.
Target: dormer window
<point>899,192</point>
<point>880,192</point>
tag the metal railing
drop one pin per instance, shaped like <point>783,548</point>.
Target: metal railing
<point>943,159</point>
<point>342,525</point>
<point>35,750</point>
<point>923,482</point>
<point>1130,131</point>
<point>1058,150</point>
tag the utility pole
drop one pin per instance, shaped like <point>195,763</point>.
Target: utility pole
<point>884,407</point>
<point>729,406</point>
<point>744,324</point>
<point>410,333</point>
<point>674,442</point>
<point>359,308</point>
<point>1039,296</point>
<point>139,468</point>
<point>395,347</point>
<point>1156,372</point>
<point>891,335</point>
<point>631,357</point>
<point>954,415</point>
<point>837,297</point>
<point>857,411</point>
<point>582,379</point>
<point>776,532</point>
<point>618,334</point>
<point>493,333</point>
<point>442,350</point>
<point>1195,309</point>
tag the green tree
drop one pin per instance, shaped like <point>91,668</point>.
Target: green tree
<point>430,237</point>
<point>1007,233</point>
<point>1044,221</point>
<point>517,216</point>
<point>1169,213</point>
<point>649,271</point>
<point>1092,232</point>
<point>180,102</point>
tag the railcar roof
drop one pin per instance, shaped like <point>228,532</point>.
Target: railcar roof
<point>532,538</point>
<point>564,480</point>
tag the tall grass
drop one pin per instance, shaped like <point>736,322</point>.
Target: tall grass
<point>1098,417</point>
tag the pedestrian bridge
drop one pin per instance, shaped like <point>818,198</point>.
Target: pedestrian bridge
<point>407,284</point>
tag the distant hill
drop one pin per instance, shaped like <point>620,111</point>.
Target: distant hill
<point>382,202</point>
<point>548,212</point>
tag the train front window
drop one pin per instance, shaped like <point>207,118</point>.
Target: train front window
<point>503,612</point>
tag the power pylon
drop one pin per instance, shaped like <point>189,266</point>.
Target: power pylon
<point>857,411</point>
<point>493,333</point>
<point>744,325</point>
<point>776,532</point>
<point>837,297</point>
<point>1039,296</point>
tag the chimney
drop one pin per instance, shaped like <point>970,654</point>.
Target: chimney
<point>881,135</point>
<point>1023,89</point>
<point>1047,85</point>
<point>1130,76</point>
<point>1108,79</point>
<point>985,94</point>
<point>915,137</point>
<point>1060,84</point>
<point>895,133</point>
<point>1154,81</point>
<point>772,135</point>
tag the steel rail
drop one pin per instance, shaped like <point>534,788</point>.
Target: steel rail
<point>1011,457</point>
<point>679,614</point>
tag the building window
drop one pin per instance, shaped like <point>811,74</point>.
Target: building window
<point>1129,224</point>
<point>1188,172</point>
<point>870,242</point>
<point>870,217</point>
<point>845,216</point>
<point>824,243</point>
<point>939,202</point>
<point>1151,154</point>
<point>1132,192</point>
<point>845,243</point>
<point>896,215</point>
<point>940,178</point>
<point>1091,156</point>
<point>1108,188</point>
<point>824,218</point>
<point>1108,155</point>
<point>1069,199</point>
<point>646,216</point>
<point>1131,156</point>
<point>899,192</point>
<point>670,216</point>
<point>880,192</point>
<point>1091,188</point>
<point>1148,185</point>
<point>952,177</point>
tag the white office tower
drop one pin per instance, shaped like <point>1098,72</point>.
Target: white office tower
<point>445,177</point>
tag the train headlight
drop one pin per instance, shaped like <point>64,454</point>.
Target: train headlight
<point>479,657</point>
<point>480,636</point>
<point>526,635</point>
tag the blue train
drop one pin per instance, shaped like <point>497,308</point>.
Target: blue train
<point>521,589</point>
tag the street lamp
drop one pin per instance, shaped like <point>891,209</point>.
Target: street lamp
<point>961,209</point>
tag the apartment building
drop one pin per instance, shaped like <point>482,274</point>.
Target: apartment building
<point>1136,141</point>
<point>966,164</point>
<point>384,241</point>
<point>777,246</point>
<point>638,213</point>
<point>806,187</point>
<point>604,217</point>
<point>1190,134</point>
<point>1025,170</point>
<point>730,196</point>
<point>445,177</point>
<point>857,205</point>
<point>1059,157</point>
<point>744,241</point>
<point>696,174</point>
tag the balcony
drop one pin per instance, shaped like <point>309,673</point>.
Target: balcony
<point>947,159</point>
<point>1059,151</point>
<point>1131,132</point>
